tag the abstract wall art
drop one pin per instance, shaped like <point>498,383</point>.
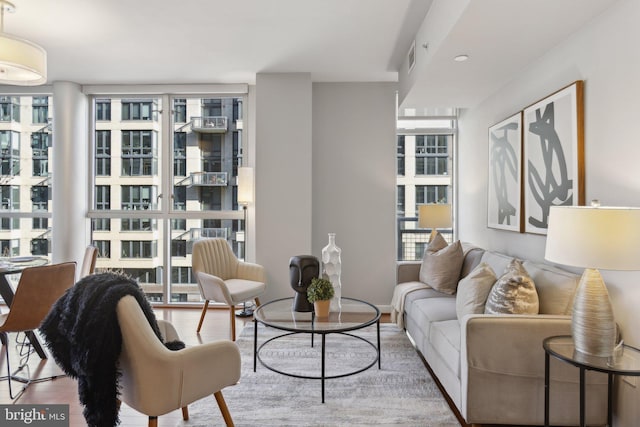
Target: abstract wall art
<point>505,175</point>
<point>553,154</point>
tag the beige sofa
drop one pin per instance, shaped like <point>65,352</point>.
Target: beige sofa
<point>492,366</point>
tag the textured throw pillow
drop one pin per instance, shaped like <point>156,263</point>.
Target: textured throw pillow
<point>513,293</point>
<point>474,289</point>
<point>441,269</point>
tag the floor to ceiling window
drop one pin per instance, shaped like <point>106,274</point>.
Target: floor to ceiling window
<point>425,161</point>
<point>25,175</point>
<point>165,174</point>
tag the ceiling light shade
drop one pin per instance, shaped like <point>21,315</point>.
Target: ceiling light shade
<point>22,62</point>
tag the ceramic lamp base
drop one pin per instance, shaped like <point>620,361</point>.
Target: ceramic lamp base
<point>592,323</point>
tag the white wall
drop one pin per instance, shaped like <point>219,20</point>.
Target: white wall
<point>325,162</point>
<point>283,175</point>
<point>605,55</point>
<point>354,173</point>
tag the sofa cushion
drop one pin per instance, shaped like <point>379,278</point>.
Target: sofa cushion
<point>445,339</point>
<point>555,287</point>
<point>428,310</point>
<point>441,269</point>
<point>513,293</point>
<point>498,262</point>
<point>472,257</point>
<point>474,289</point>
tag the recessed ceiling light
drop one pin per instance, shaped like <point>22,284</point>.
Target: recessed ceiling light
<point>461,58</point>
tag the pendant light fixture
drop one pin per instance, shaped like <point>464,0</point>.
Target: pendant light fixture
<point>22,63</point>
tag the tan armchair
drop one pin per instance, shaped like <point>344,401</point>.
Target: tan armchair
<point>156,380</point>
<point>224,278</point>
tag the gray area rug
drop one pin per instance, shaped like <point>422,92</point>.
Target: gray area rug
<point>402,393</point>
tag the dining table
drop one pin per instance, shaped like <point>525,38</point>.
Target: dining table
<point>15,265</point>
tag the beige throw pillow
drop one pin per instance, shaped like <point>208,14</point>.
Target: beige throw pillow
<point>513,293</point>
<point>437,243</point>
<point>474,289</point>
<point>441,269</point>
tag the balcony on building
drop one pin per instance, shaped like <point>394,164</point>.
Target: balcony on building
<point>206,179</point>
<point>209,124</point>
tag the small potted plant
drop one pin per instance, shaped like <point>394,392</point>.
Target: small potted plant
<point>319,293</point>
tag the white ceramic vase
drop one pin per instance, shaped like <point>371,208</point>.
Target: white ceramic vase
<point>331,267</point>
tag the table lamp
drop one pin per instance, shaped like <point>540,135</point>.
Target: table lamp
<point>594,237</point>
<point>433,216</point>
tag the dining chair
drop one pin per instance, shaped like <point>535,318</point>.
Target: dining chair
<point>222,277</point>
<point>89,261</point>
<point>37,291</point>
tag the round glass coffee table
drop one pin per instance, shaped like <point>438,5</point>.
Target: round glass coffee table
<point>279,314</point>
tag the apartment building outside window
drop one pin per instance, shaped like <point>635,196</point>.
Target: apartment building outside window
<point>103,152</point>
<point>40,110</point>
<point>25,174</point>
<point>103,109</point>
<point>10,152</point>
<point>180,110</point>
<point>425,142</point>
<point>139,109</point>
<point>40,153</point>
<point>432,154</point>
<point>176,182</point>
<point>9,109</point>
<point>139,152</point>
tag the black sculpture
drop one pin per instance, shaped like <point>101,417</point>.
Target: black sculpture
<point>302,269</point>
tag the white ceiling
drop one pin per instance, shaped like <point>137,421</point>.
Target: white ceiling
<point>229,41</point>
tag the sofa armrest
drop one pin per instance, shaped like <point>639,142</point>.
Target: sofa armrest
<point>508,344</point>
<point>408,271</point>
<point>502,365</point>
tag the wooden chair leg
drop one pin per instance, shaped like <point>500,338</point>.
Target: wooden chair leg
<point>223,408</point>
<point>153,421</point>
<point>257,302</point>
<point>185,413</point>
<point>204,311</point>
<point>232,319</point>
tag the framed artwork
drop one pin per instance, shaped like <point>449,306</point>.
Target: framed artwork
<point>504,196</point>
<point>553,155</point>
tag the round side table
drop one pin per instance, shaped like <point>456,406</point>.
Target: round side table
<point>626,362</point>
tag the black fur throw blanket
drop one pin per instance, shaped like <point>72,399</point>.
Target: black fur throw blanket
<point>83,335</point>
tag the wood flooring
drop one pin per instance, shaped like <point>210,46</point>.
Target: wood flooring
<point>64,390</point>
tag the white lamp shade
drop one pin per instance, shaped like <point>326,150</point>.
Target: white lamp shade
<point>434,215</point>
<point>245,185</point>
<point>21,62</point>
<point>606,238</point>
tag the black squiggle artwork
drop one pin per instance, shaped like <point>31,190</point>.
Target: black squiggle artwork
<point>503,166</point>
<point>549,183</point>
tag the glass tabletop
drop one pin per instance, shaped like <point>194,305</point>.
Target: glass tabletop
<point>9,265</point>
<point>625,361</point>
<point>355,314</point>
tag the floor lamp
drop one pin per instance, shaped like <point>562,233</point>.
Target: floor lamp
<point>594,237</point>
<point>245,197</point>
<point>434,216</point>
